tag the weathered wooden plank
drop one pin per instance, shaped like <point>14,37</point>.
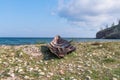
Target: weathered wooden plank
<point>60,47</point>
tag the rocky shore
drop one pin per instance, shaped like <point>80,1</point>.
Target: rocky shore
<point>112,32</point>
<point>90,61</point>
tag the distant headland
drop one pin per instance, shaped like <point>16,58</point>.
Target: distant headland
<point>112,32</point>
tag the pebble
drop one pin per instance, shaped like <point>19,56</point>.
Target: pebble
<point>39,70</point>
<point>88,65</point>
<point>46,62</point>
<point>61,72</point>
<point>12,75</point>
<point>71,77</point>
<point>41,61</point>
<point>90,71</point>
<point>81,62</point>
<point>79,73</point>
<point>44,69</point>
<point>79,66</point>
<point>50,73</point>
<point>82,70</point>
<point>26,77</point>
<point>74,79</point>
<point>62,79</point>
<point>114,78</point>
<point>42,73</point>
<point>21,54</point>
<point>20,70</point>
<point>30,69</point>
<point>48,76</point>
<point>100,45</point>
<point>70,65</point>
<point>88,78</point>
<point>70,69</point>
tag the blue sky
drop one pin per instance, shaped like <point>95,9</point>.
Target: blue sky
<point>47,18</point>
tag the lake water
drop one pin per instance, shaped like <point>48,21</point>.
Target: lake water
<point>20,41</point>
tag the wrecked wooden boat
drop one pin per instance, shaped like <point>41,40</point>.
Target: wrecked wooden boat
<point>60,47</point>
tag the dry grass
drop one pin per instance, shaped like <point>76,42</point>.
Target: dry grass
<point>91,61</point>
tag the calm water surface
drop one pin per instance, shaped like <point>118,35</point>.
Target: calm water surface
<point>20,41</point>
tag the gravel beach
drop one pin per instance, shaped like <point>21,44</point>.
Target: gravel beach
<point>90,61</point>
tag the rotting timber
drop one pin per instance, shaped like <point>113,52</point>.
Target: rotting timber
<point>60,47</point>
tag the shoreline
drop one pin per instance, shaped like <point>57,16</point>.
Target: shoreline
<point>28,41</point>
<point>38,43</point>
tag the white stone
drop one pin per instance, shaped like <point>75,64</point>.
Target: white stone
<point>51,74</point>
<point>26,77</point>
<point>42,73</point>
<point>62,79</point>
<point>88,78</point>
<point>114,78</point>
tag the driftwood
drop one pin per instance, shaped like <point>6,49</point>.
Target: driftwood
<point>60,47</point>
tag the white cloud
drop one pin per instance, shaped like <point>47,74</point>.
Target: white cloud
<point>90,13</point>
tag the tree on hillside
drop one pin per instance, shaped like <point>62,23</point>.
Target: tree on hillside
<point>113,24</point>
<point>106,26</point>
<point>118,22</point>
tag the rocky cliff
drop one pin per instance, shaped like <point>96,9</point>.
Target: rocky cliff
<point>109,33</point>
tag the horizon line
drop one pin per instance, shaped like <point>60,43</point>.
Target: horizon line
<point>46,37</point>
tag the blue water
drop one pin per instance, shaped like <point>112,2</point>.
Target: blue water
<point>22,41</point>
